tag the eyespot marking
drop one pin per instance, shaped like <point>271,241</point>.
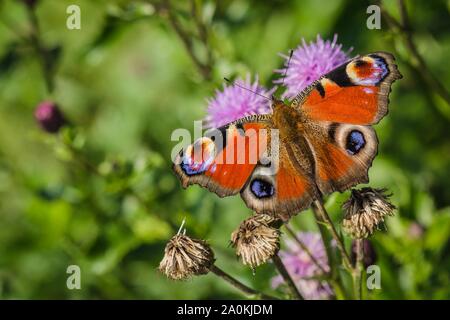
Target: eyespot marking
<point>261,188</point>
<point>355,142</point>
<point>368,70</point>
<point>198,157</point>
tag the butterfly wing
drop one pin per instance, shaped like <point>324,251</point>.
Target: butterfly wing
<point>273,177</point>
<point>224,158</point>
<point>283,189</point>
<point>343,154</point>
<point>356,92</point>
<point>338,110</point>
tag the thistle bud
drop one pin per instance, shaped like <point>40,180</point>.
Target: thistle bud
<point>365,210</point>
<point>256,240</point>
<point>49,116</point>
<point>185,257</point>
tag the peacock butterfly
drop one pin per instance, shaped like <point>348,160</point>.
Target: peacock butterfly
<point>325,142</point>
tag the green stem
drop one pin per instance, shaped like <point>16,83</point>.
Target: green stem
<point>44,58</point>
<point>323,214</point>
<point>357,270</point>
<point>187,39</point>
<point>286,277</point>
<point>336,284</point>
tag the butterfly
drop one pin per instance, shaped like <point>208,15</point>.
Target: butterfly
<point>325,142</point>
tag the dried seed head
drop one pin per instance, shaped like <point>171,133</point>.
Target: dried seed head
<point>185,257</point>
<point>365,210</point>
<point>256,240</point>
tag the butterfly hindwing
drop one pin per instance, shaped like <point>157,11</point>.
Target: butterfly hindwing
<point>283,189</point>
<point>343,154</point>
<point>356,92</point>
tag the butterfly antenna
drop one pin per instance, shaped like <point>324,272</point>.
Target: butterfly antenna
<point>287,67</point>
<point>245,88</point>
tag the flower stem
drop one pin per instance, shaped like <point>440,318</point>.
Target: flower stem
<point>167,10</point>
<point>357,271</point>
<point>42,52</point>
<point>319,208</point>
<point>286,277</point>
<point>239,285</point>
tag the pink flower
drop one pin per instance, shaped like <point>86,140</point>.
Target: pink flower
<point>309,62</point>
<point>301,267</point>
<point>234,102</point>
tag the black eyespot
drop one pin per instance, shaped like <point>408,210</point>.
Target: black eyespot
<point>213,138</point>
<point>355,142</point>
<point>261,188</point>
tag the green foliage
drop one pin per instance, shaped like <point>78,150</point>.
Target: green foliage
<point>102,195</point>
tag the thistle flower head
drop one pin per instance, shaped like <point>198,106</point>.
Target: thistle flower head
<point>302,267</point>
<point>185,257</point>
<point>235,102</point>
<point>369,254</point>
<point>365,210</point>
<point>256,240</point>
<point>309,62</point>
<point>49,116</point>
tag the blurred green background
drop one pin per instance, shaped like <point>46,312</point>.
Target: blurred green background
<point>126,81</point>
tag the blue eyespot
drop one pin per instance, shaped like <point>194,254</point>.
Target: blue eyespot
<point>261,188</point>
<point>191,170</point>
<point>355,142</point>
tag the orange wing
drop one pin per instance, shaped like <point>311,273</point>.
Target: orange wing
<point>224,158</point>
<point>241,157</point>
<point>356,92</point>
<point>284,189</point>
<point>343,154</point>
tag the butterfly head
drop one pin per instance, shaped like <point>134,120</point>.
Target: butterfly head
<point>277,104</point>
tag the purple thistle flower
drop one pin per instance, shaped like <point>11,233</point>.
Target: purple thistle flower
<point>301,267</point>
<point>49,117</point>
<point>234,103</point>
<point>309,62</point>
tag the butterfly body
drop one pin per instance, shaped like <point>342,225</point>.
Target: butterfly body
<point>321,142</point>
